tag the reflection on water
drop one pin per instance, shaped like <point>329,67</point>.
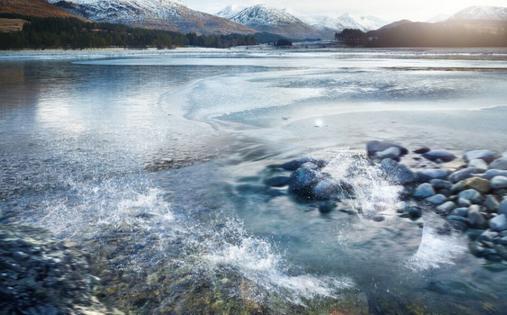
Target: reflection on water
<point>156,162</point>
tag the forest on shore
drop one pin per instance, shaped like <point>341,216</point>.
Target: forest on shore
<point>72,33</point>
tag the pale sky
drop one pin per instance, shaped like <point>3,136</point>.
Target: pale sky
<point>419,10</point>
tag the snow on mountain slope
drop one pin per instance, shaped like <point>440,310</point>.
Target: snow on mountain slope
<point>482,13</point>
<point>266,19</point>
<point>156,14</point>
<point>229,11</point>
<point>364,23</point>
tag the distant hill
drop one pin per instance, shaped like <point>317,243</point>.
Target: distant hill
<point>152,14</point>
<point>36,8</point>
<point>450,33</point>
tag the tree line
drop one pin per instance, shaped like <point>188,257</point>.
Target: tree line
<point>71,33</point>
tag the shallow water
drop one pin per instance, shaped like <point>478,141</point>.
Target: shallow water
<point>156,160</point>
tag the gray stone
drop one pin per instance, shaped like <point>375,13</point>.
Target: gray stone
<point>475,217</point>
<point>472,195</point>
<point>422,150</point>
<point>502,208</point>
<point>457,218</point>
<point>446,208</point>
<point>499,164</point>
<point>295,164</point>
<point>463,174</point>
<point>303,180</point>
<point>372,147</point>
<point>491,203</point>
<point>436,199</point>
<point>479,165</point>
<point>487,236</point>
<point>397,172</point>
<point>423,191</point>
<point>464,202</point>
<point>499,182</point>
<point>441,184</point>
<point>493,173</point>
<point>480,184</point>
<point>462,212</point>
<point>439,156</point>
<point>325,189</point>
<point>459,186</point>
<point>498,223</point>
<point>429,174</point>
<point>487,156</point>
<point>390,153</point>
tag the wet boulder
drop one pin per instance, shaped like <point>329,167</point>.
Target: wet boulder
<point>424,191</point>
<point>397,173</point>
<point>304,179</point>
<point>475,218</point>
<point>493,173</point>
<point>325,189</point>
<point>492,204</point>
<point>487,156</point>
<point>499,164</point>
<point>439,184</point>
<point>393,153</point>
<point>498,223</point>
<point>422,150</point>
<point>436,199</point>
<point>462,212</point>
<point>427,175</point>
<point>499,182</point>
<point>373,147</point>
<point>463,174</point>
<point>295,164</point>
<point>479,165</point>
<point>471,195</point>
<point>439,156</point>
<point>502,208</point>
<point>446,208</point>
<point>480,184</point>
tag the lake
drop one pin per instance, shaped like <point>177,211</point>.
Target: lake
<point>154,161</point>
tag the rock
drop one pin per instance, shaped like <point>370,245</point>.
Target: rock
<point>325,189</point>
<point>441,184</point>
<point>477,183</point>
<point>487,236</point>
<point>457,218</point>
<point>499,182</point>
<point>499,164</point>
<point>446,208</point>
<point>463,174</point>
<point>390,153</point>
<point>493,173</point>
<point>472,195</point>
<point>414,212</point>
<point>429,174</point>
<point>492,204</point>
<point>485,155</point>
<point>303,180</point>
<point>372,147</point>
<point>459,186</point>
<point>479,165</point>
<point>422,150</point>
<point>475,217</point>
<point>423,191</point>
<point>502,208</point>
<point>464,202</point>
<point>397,172</point>
<point>295,164</point>
<point>278,181</point>
<point>439,156</point>
<point>498,223</point>
<point>462,212</point>
<point>437,199</point>
<point>378,218</point>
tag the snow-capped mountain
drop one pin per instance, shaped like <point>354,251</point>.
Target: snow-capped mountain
<point>482,13</point>
<point>156,14</point>
<point>266,19</point>
<point>363,23</point>
<point>229,11</point>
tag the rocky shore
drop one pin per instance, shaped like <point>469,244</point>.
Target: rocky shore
<point>470,192</point>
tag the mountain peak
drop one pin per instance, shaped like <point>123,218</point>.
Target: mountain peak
<point>261,14</point>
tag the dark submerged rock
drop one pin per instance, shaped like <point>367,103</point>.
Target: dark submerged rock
<point>439,156</point>
<point>397,172</point>
<point>373,147</point>
<point>295,164</point>
<point>424,191</point>
<point>422,150</point>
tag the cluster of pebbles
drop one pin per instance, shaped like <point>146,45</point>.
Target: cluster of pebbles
<point>469,191</point>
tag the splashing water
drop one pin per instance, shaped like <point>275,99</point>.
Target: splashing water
<point>257,260</point>
<point>374,194</point>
